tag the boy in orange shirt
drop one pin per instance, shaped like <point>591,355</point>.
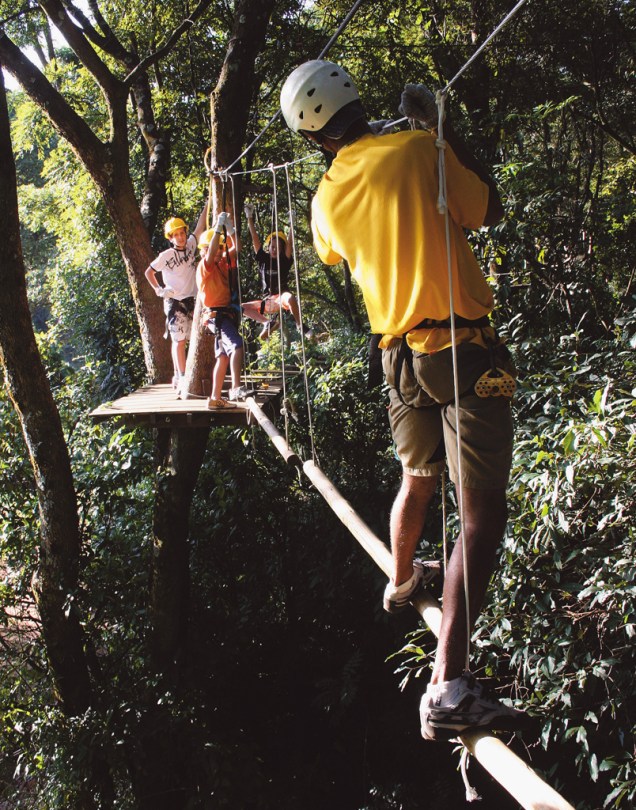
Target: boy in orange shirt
<point>215,280</point>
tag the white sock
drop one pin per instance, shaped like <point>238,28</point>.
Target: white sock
<point>405,586</point>
<point>445,693</point>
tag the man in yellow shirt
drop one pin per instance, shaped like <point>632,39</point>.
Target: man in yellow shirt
<point>376,207</point>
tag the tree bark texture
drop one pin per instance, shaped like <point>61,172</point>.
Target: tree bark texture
<point>181,455</point>
<point>229,114</point>
<point>56,581</point>
<point>108,165</point>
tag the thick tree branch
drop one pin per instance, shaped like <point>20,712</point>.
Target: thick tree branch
<point>80,45</point>
<point>87,28</point>
<point>67,122</point>
<point>169,44</point>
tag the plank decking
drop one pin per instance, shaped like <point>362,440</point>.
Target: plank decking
<point>158,406</point>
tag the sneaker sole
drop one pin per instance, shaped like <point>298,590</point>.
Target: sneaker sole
<point>439,732</point>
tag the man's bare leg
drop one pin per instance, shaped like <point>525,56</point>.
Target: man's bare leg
<point>407,521</point>
<point>485,516</point>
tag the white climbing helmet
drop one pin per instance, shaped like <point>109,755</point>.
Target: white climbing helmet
<point>314,92</point>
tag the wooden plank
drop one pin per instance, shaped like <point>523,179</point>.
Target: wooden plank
<point>158,406</point>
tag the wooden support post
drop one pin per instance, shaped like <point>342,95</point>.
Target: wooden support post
<point>504,765</point>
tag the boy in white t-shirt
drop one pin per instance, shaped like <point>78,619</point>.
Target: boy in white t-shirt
<point>177,266</point>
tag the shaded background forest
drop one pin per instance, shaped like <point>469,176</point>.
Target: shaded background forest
<point>237,655</point>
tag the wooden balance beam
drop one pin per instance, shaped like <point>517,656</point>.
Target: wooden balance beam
<point>512,773</point>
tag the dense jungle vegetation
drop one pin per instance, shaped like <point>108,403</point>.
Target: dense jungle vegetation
<point>184,621</point>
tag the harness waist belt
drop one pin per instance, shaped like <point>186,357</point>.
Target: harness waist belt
<point>429,323</point>
<point>214,313</point>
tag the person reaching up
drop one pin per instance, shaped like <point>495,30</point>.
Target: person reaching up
<point>215,279</point>
<point>274,260</point>
<point>402,269</point>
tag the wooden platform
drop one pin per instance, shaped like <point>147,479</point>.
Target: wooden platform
<point>158,406</point>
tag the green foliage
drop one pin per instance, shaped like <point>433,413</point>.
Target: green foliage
<point>561,619</point>
<point>286,631</point>
<point>564,620</point>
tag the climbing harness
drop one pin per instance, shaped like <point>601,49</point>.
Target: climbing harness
<point>405,353</point>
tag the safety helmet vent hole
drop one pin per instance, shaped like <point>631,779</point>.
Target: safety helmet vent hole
<point>301,115</point>
<point>318,108</point>
<point>334,73</point>
<point>311,92</point>
<point>347,84</point>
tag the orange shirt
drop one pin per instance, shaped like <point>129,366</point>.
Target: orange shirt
<point>214,283</point>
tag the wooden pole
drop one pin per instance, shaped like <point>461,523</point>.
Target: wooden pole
<point>512,773</point>
<point>376,549</point>
<point>504,765</point>
<point>278,440</point>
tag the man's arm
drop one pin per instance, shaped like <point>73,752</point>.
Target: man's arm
<point>495,210</point>
<point>419,103</point>
<point>162,292</point>
<point>289,244</point>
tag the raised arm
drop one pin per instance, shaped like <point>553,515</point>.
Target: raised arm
<point>418,103</point>
<point>224,220</point>
<point>249,214</point>
<point>202,221</point>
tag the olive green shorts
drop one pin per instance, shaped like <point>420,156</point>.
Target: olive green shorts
<point>423,419</point>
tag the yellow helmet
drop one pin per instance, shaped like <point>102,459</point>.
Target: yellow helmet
<point>207,236</point>
<point>269,238</point>
<point>172,225</point>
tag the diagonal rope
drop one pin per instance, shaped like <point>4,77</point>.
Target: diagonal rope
<point>484,44</point>
<point>292,226</point>
<point>465,66</point>
<point>322,55</point>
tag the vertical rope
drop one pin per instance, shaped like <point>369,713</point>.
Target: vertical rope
<point>238,284</point>
<point>284,409</point>
<point>442,206</point>
<point>292,224</point>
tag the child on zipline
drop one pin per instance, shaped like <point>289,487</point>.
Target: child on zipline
<point>274,260</point>
<point>177,265</point>
<point>215,279</point>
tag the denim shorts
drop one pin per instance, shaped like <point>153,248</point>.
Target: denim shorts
<point>227,339</point>
<point>423,420</point>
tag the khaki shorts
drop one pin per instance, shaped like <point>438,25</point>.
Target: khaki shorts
<point>423,425</point>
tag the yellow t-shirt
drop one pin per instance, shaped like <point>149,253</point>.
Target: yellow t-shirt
<point>376,207</point>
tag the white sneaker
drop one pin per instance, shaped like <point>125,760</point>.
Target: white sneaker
<point>472,707</point>
<point>182,389</point>
<point>240,393</point>
<point>397,597</point>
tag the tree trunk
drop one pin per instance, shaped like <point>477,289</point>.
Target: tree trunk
<point>229,114</point>
<point>181,455</point>
<point>55,585</point>
<point>108,166</point>
<point>182,451</point>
